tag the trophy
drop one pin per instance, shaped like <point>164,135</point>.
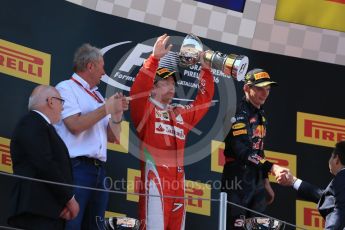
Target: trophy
<point>117,223</point>
<point>232,64</point>
<point>262,223</point>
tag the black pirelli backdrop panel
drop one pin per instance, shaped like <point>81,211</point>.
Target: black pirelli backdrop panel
<point>305,112</point>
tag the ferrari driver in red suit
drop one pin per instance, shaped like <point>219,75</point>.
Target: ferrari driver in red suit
<point>162,129</point>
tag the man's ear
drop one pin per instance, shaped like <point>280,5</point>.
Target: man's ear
<point>89,66</point>
<point>49,101</point>
<point>337,160</point>
<point>245,88</point>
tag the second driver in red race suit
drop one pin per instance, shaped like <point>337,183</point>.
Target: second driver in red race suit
<point>162,129</point>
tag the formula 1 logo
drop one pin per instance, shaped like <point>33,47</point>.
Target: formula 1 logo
<point>127,66</point>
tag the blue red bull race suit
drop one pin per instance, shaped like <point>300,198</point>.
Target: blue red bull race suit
<point>245,165</point>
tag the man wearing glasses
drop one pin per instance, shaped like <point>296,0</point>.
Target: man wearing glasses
<point>245,173</point>
<point>88,123</point>
<point>60,99</point>
<point>37,151</point>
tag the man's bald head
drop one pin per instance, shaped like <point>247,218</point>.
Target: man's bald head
<point>39,95</point>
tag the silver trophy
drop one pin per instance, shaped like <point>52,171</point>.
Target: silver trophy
<point>232,64</point>
<point>117,223</point>
<point>262,223</point>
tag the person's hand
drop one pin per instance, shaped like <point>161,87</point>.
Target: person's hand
<point>65,214</point>
<point>125,103</point>
<point>121,103</point>
<point>71,210</point>
<point>269,191</point>
<point>109,105</point>
<point>278,170</point>
<point>160,48</point>
<point>73,207</point>
<point>116,104</point>
<point>286,179</point>
<point>203,63</point>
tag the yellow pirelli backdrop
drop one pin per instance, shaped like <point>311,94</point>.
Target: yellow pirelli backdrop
<point>122,144</point>
<point>217,156</point>
<point>283,159</point>
<point>305,113</point>
<point>25,63</point>
<point>319,130</point>
<point>133,184</point>
<point>196,190</point>
<point>327,14</point>
<point>5,156</point>
<point>307,216</point>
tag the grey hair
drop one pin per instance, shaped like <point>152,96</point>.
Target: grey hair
<point>84,55</point>
<point>40,95</point>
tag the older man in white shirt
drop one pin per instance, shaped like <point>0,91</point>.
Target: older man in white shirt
<point>88,123</point>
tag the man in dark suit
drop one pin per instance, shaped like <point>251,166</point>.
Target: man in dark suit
<point>37,151</point>
<point>331,201</point>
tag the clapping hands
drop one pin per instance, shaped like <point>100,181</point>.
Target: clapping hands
<point>117,104</point>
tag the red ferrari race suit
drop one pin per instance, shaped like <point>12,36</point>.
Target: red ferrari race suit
<point>162,131</point>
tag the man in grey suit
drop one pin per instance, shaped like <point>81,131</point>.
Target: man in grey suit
<point>331,201</point>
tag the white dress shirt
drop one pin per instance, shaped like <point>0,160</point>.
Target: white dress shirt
<point>297,184</point>
<point>92,142</point>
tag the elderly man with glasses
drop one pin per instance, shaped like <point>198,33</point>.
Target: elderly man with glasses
<point>37,151</point>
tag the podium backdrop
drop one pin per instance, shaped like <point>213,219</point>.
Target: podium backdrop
<point>305,112</point>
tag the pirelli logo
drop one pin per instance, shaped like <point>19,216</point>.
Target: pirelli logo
<point>122,144</point>
<point>133,184</point>
<point>5,156</point>
<point>319,130</point>
<point>282,159</point>
<point>261,75</point>
<point>307,216</point>
<point>199,193</point>
<point>24,63</point>
<point>217,156</point>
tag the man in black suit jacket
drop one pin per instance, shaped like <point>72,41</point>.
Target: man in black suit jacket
<point>331,201</point>
<point>37,151</point>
